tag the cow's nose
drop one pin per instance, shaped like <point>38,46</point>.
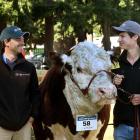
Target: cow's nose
<point>102,91</point>
<point>107,91</point>
<point>115,90</point>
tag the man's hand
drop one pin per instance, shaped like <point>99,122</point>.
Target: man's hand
<point>31,119</point>
<point>136,99</point>
<point>118,79</point>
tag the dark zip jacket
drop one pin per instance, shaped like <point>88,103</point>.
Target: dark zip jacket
<point>19,93</point>
<point>124,110</point>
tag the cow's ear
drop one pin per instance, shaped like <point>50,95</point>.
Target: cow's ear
<point>114,54</point>
<point>55,58</point>
<point>52,55</point>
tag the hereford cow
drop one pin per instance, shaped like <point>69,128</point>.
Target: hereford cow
<point>74,92</point>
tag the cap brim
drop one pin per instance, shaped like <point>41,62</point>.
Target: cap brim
<point>118,29</point>
<point>26,35</point>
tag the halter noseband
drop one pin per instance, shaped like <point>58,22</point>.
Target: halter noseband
<point>85,91</point>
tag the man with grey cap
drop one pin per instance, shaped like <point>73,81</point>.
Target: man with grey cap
<point>19,92</point>
<point>127,78</point>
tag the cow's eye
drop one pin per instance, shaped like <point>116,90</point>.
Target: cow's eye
<point>68,66</point>
<point>79,70</point>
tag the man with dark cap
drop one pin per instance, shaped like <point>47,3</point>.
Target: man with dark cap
<point>19,92</point>
<point>127,107</point>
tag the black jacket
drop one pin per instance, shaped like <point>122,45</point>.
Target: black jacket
<point>19,94</point>
<point>124,112</point>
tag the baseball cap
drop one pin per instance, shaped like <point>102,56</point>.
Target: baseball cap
<point>129,26</point>
<point>12,32</point>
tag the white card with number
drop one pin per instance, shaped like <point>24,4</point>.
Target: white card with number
<point>84,123</point>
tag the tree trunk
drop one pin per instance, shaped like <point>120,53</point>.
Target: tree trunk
<point>2,24</point>
<point>49,38</point>
<point>49,34</point>
<point>81,36</point>
<point>106,32</point>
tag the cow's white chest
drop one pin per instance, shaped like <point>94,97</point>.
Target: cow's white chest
<point>61,133</point>
<point>80,104</point>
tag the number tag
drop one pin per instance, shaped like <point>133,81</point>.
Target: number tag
<point>86,122</point>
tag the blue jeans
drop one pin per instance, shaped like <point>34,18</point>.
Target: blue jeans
<point>124,132</point>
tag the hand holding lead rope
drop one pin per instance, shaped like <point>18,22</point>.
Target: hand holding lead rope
<point>136,99</point>
<point>118,79</point>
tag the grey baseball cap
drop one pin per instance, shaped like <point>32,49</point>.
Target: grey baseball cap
<point>129,26</point>
<point>12,32</point>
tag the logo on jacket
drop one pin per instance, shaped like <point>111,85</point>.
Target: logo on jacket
<point>22,74</point>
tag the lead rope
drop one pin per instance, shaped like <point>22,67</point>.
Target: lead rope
<point>130,96</point>
<point>136,114</point>
<point>137,124</point>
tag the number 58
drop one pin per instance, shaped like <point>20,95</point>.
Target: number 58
<point>86,123</point>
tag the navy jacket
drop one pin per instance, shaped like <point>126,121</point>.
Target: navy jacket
<point>19,94</point>
<point>124,111</point>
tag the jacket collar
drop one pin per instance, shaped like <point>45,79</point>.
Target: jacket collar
<point>20,58</point>
<point>123,57</point>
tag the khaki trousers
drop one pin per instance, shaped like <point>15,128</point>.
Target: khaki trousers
<point>23,134</point>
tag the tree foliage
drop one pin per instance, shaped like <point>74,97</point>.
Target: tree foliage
<point>52,20</point>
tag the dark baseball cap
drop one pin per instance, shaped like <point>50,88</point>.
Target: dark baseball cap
<point>12,32</point>
<point>129,26</point>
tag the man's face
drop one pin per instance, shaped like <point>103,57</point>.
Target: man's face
<point>125,41</point>
<point>15,45</point>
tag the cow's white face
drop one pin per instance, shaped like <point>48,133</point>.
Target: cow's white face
<point>87,60</point>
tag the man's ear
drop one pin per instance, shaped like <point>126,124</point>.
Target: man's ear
<point>5,42</point>
<point>136,37</point>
